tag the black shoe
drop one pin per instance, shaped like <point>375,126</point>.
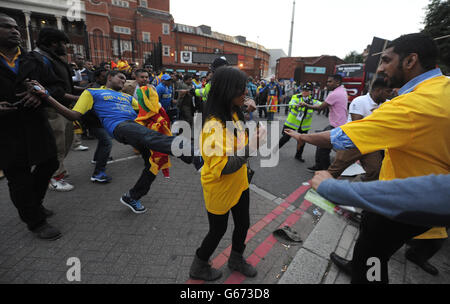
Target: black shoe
<point>48,213</point>
<point>300,159</point>
<point>426,266</point>
<point>236,262</point>
<point>186,159</point>
<point>344,265</point>
<point>313,169</point>
<point>202,270</point>
<point>198,163</point>
<point>47,232</point>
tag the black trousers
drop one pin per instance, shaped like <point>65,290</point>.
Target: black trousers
<point>218,226</point>
<point>143,184</point>
<point>27,189</point>
<point>261,111</point>
<point>323,154</point>
<point>285,138</point>
<point>423,250</point>
<point>379,237</point>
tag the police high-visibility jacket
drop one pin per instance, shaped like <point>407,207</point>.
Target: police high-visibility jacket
<point>203,92</point>
<point>300,116</point>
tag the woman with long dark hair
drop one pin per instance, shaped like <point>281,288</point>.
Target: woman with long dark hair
<point>225,149</point>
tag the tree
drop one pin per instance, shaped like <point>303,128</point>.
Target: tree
<point>437,24</point>
<point>354,57</point>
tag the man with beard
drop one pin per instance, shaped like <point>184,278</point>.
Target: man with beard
<point>27,144</point>
<point>413,130</point>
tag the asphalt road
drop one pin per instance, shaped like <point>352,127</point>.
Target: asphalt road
<point>290,173</point>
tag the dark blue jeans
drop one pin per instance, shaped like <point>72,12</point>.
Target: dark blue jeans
<point>103,150</point>
<point>144,140</point>
<point>131,133</point>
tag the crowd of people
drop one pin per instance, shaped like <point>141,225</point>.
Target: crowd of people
<point>44,97</point>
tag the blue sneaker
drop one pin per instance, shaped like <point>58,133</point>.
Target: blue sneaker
<point>101,177</point>
<point>134,205</point>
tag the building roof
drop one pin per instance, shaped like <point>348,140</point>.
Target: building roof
<point>205,30</point>
<point>312,60</point>
<point>155,14</point>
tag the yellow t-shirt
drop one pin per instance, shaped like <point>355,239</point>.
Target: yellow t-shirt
<point>413,129</point>
<point>221,192</point>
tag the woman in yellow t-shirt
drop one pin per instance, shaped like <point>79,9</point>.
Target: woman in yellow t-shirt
<point>225,148</point>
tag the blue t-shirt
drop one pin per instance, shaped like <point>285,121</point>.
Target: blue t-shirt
<point>111,107</point>
<point>165,95</point>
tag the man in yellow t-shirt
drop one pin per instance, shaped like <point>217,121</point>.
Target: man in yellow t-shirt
<point>413,131</point>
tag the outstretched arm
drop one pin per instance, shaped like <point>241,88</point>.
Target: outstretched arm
<point>37,89</point>
<point>321,139</point>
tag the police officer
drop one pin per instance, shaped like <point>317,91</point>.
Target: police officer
<point>203,92</point>
<point>299,117</point>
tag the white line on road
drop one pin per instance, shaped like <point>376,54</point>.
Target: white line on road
<point>123,159</point>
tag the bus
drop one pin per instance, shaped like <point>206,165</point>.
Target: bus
<point>353,78</point>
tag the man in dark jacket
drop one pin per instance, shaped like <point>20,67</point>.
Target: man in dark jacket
<point>26,139</point>
<point>51,46</point>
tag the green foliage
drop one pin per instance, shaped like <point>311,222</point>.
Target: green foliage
<point>437,24</point>
<point>354,57</point>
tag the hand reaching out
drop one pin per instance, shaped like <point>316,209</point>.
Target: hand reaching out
<point>319,177</point>
<point>295,135</point>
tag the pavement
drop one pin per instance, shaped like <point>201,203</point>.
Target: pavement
<point>333,233</point>
<point>115,246</point>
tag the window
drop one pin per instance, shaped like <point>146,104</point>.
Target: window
<point>147,56</point>
<point>121,3</point>
<point>143,3</point>
<point>125,46</point>
<point>122,30</point>
<point>166,29</point>
<point>146,36</point>
<point>166,50</point>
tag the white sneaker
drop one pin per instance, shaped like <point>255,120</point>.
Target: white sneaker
<point>60,185</point>
<point>81,148</point>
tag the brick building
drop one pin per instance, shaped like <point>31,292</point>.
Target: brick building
<point>196,47</point>
<point>32,15</point>
<point>307,69</point>
<point>135,30</point>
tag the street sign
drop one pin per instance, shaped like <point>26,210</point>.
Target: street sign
<point>315,70</point>
<point>185,57</point>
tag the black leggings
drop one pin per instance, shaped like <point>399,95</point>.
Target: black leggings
<point>218,226</point>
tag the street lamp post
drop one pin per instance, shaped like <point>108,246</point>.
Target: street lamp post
<point>292,30</point>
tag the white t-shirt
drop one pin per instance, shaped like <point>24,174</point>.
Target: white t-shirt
<point>362,105</point>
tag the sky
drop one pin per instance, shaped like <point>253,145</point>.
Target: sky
<point>321,27</point>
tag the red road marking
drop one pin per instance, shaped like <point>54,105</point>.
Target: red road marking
<point>268,243</point>
<point>262,250</point>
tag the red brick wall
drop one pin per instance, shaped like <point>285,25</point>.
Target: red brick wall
<point>162,5</point>
<point>105,15</point>
<point>207,45</point>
